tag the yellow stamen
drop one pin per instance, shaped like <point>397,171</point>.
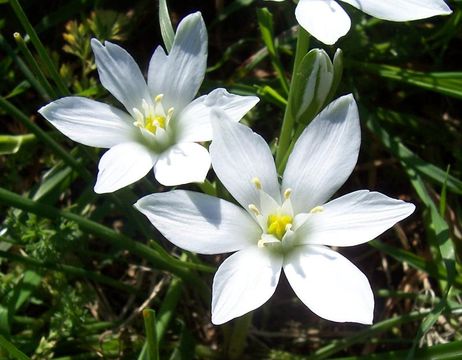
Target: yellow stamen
<point>256,181</point>
<point>287,193</point>
<point>152,116</point>
<point>254,209</point>
<point>317,210</point>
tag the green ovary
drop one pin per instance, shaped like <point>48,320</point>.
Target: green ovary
<point>277,225</point>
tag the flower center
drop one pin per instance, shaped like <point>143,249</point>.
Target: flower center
<point>152,116</point>
<point>278,224</point>
<point>274,219</point>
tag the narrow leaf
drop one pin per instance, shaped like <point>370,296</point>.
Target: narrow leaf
<point>166,28</point>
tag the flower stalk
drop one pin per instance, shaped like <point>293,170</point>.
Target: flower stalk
<point>303,42</point>
<point>42,52</point>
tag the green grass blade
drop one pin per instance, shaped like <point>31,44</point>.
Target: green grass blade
<point>446,83</point>
<point>167,309</point>
<point>23,68</point>
<point>166,28</point>
<point>12,350</point>
<point>33,65</point>
<point>185,350</point>
<point>42,52</point>
<point>443,250</point>
<point>265,23</point>
<point>397,149</point>
<point>149,317</point>
<point>417,262</point>
<point>11,144</point>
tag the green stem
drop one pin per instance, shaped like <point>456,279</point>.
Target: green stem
<point>294,139</point>
<point>104,233</point>
<point>34,66</point>
<point>168,307</point>
<point>149,317</point>
<point>24,69</point>
<point>285,137</point>
<point>208,188</point>
<point>238,336</point>
<point>47,139</point>
<point>166,311</point>
<point>42,52</point>
<point>67,269</point>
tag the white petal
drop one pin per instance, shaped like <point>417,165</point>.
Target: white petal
<point>181,164</point>
<point>329,284</point>
<point>324,155</point>
<point>122,165</point>
<point>353,219</point>
<point>324,19</point>
<point>401,10</point>
<point>89,122</point>
<point>179,75</point>
<point>200,223</point>
<point>194,122</point>
<point>244,282</point>
<point>120,75</point>
<point>240,155</point>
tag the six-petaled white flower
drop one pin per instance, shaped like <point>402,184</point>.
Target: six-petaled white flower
<point>162,126</point>
<point>282,226</point>
<point>327,21</point>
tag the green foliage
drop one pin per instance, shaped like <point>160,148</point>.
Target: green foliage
<point>79,270</point>
<point>42,238</point>
<point>101,24</point>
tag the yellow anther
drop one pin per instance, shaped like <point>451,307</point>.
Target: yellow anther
<point>317,210</point>
<point>159,98</point>
<point>287,193</point>
<point>256,181</point>
<point>254,209</point>
<point>278,225</point>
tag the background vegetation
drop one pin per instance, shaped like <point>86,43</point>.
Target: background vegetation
<point>84,276</point>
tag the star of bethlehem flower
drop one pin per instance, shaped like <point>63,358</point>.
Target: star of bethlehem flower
<point>162,124</point>
<point>327,21</point>
<point>287,226</point>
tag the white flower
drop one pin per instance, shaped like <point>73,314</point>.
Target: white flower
<point>287,226</point>
<point>327,21</point>
<point>162,126</point>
